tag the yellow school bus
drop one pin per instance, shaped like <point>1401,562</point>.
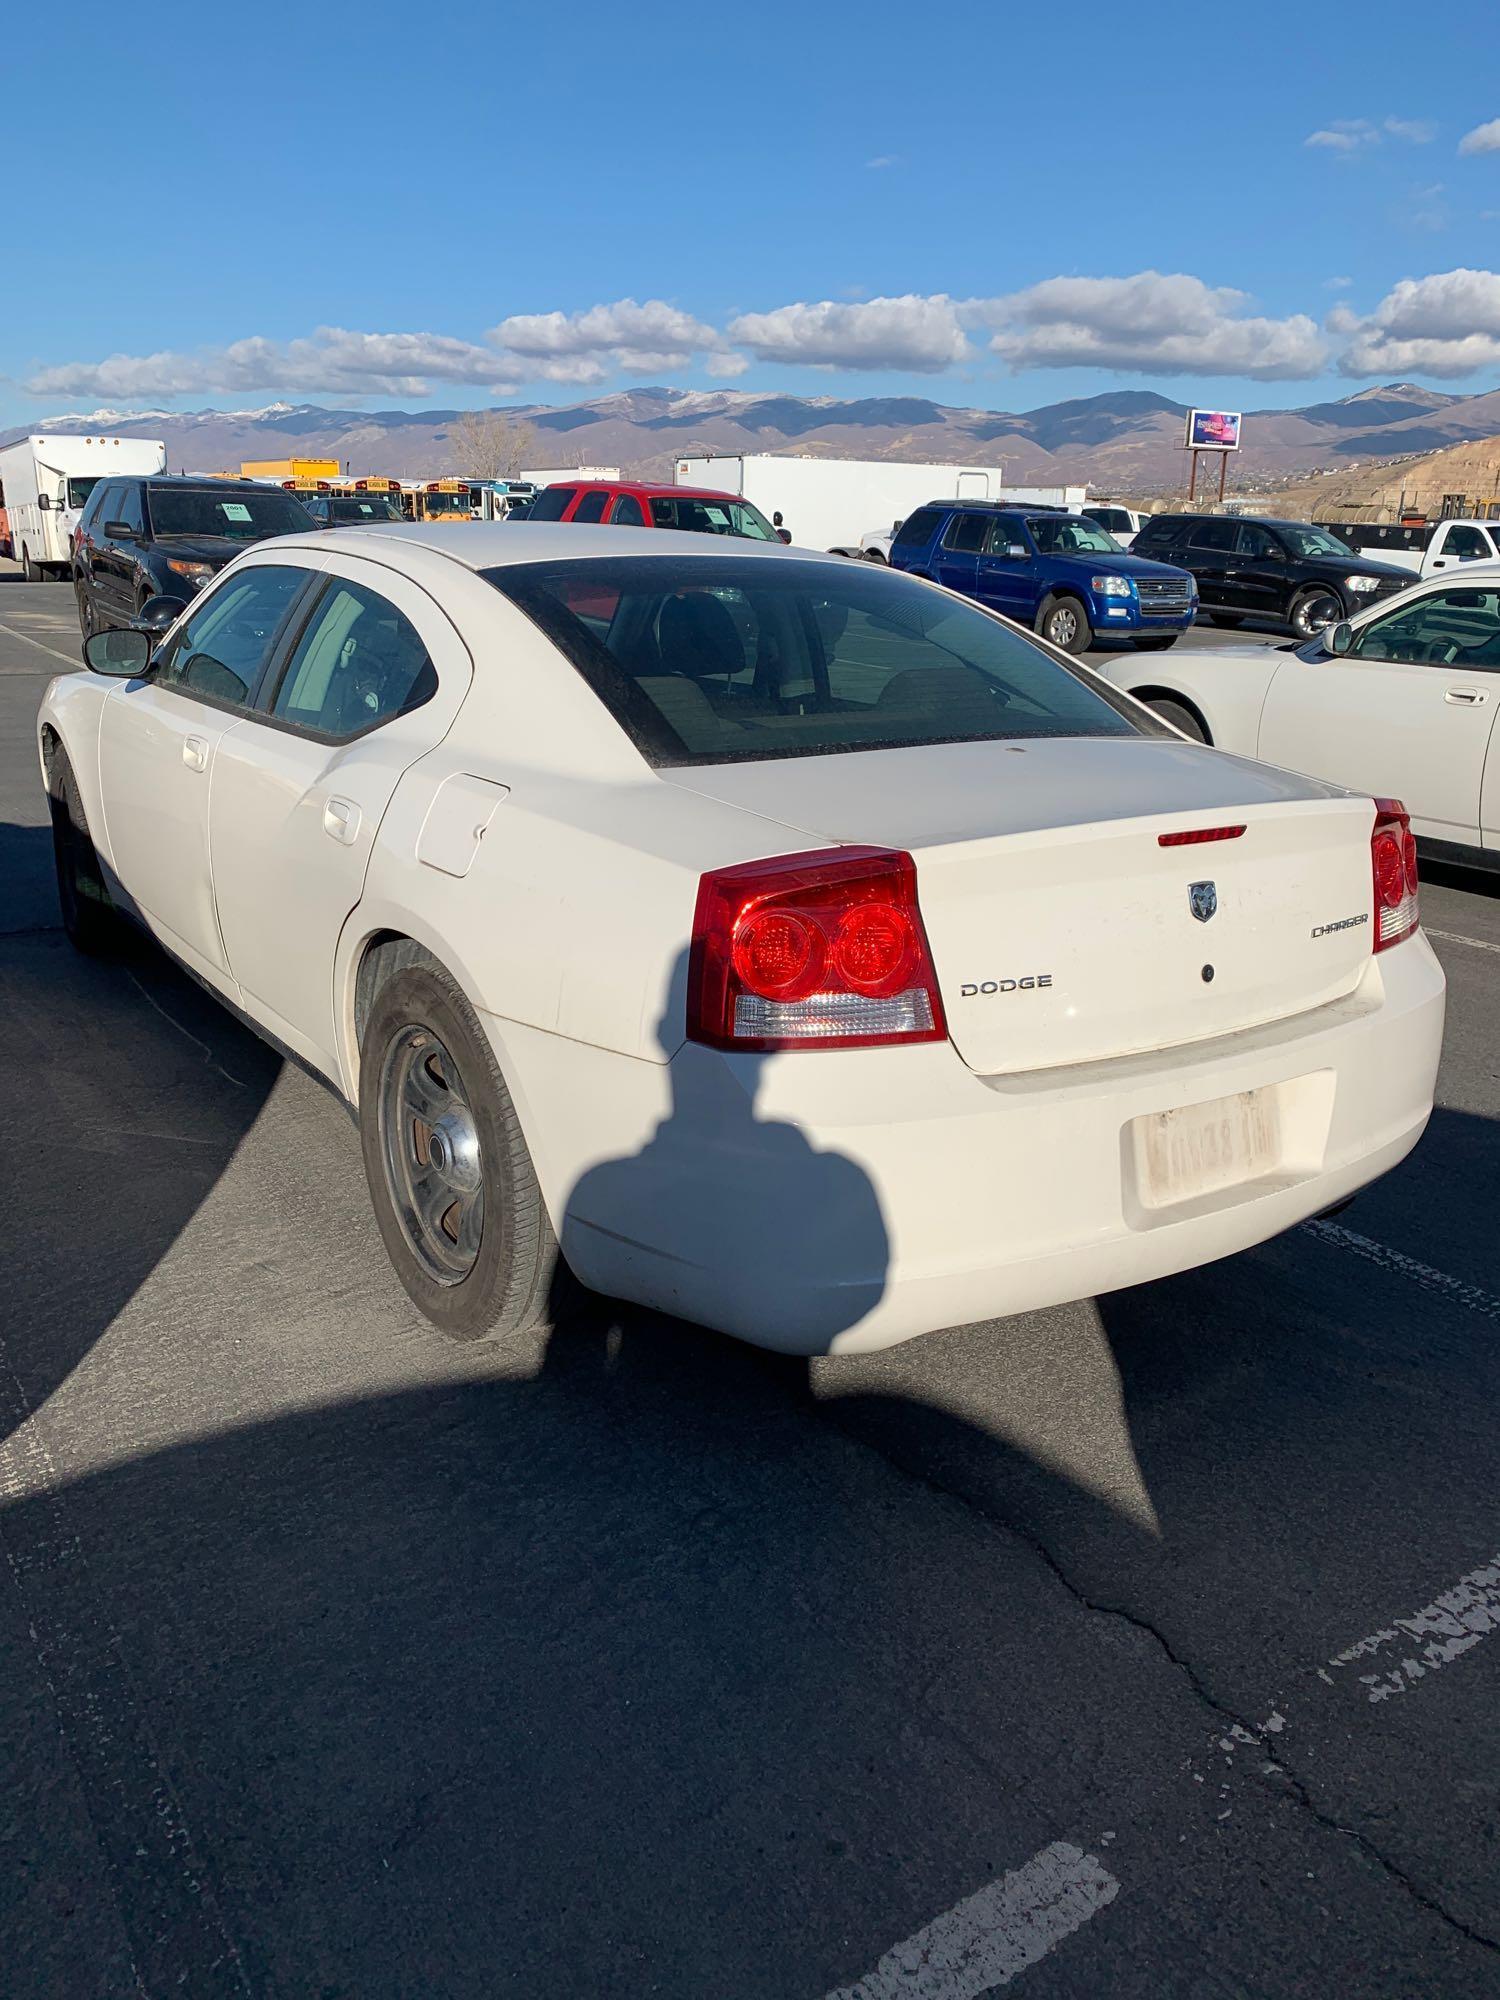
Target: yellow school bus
<point>435,499</point>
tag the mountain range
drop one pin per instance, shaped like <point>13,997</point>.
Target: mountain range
<point>1126,441</point>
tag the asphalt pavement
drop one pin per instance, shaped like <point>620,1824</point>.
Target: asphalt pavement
<point>1149,1646</point>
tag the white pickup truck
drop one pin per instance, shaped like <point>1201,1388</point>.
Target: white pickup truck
<point>1426,547</point>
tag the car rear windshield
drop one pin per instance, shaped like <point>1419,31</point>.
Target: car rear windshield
<point>365,507</point>
<point>719,660</point>
<point>697,516</point>
<point>239,515</point>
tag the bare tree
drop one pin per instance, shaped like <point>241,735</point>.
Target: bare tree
<point>487,444</point>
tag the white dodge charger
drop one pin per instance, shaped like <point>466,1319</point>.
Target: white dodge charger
<point>790,944</point>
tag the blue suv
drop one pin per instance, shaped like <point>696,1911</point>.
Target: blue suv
<point>1056,572</point>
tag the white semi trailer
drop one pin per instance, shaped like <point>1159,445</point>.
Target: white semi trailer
<point>45,482</point>
<point>830,503</point>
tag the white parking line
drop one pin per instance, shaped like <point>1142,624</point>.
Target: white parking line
<point>1473,1297</point>
<point>993,1935</point>
<point>1456,1620</point>
<point>1457,937</point>
<point>26,639</point>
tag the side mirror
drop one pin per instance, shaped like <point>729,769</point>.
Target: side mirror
<point>1018,552</point>
<point>123,656</point>
<point>157,613</point>
<point>784,535</point>
<point>119,531</point>
<point>1337,639</point>
<point>44,502</point>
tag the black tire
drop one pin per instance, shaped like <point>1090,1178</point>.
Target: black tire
<point>87,623</point>
<point>874,556</point>
<point>1231,621</point>
<point>517,1267</point>
<point>1064,622</point>
<point>1305,616</point>
<point>1157,643</point>
<point>1179,717</point>
<point>90,919</point>
<point>29,571</point>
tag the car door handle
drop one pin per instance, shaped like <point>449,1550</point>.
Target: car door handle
<point>341,819</point>
<point>195,752</point>
<point>1467,697</point>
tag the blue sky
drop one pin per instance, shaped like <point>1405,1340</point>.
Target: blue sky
<point>362,203</point>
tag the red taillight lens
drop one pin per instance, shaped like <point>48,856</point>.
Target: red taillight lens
<point>1393,865</point>
<point>822,950</point>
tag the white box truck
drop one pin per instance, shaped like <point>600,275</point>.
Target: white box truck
<point>554,475</point>
<point>44,483</point>
<point>830,503</point>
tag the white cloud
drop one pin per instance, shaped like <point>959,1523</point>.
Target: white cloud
<point>332,360</point>
<point>1483,139</point>
<point>1151,323</point>
<point>884,160</point>
<point>1356,135</point>
<point>920,334</point>
<point>1447,324</point>
<point>1345,135</point>
<point>648,338</point>
<point>1337,284</point>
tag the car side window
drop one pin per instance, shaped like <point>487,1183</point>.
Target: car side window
<point>1218,535</point>
<point>591,506</point>
<point>626,512</point>
<point>1003,536</point>
<point>129,510</point>
<point>1448,628</point>
<point>967,533</point>
<point>358,663</point>
<point>219,651</point>
<point>106,505</point>
<point>1468,544</point>
<point>1254,541</point>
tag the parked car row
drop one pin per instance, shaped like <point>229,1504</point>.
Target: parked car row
<point>1404,698</point>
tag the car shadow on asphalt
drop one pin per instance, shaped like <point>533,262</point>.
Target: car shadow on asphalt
<point>616,1662</point>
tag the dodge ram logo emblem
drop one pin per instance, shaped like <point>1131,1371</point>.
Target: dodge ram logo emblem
<point>1203,900</point>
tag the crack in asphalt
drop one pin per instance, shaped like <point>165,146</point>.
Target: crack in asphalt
<point>1295,1788</point>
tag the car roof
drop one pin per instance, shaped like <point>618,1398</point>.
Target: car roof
<point>651,488</point>
<point>481,545</point>
<point>202,481</point>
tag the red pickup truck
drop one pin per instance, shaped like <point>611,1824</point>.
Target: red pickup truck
<point>628,503</point>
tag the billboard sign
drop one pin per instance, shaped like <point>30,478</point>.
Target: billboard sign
<point>1213,430</point>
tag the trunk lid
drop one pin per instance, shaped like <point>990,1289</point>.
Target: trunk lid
<point>1062,931</point>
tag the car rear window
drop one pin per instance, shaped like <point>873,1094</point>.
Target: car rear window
<point>916,530</point>
<point>724,660</point>
<point>551,503</point>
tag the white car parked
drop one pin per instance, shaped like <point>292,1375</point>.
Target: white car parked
<point>805,950</point>
<point>1402,699</point>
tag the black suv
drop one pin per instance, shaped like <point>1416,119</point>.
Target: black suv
<point>143,538</point>
<point>1300,577</point>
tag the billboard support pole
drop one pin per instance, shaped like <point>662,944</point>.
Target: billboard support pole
<point>1192,477</point>
<point>1223,468</point>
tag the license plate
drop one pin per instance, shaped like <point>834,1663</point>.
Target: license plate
<point>1201,1148</point>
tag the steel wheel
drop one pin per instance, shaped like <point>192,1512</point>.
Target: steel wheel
<point>1313,611</point>
<point>429,1143</point>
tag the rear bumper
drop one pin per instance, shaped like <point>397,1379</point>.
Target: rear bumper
<point>844,1201</point>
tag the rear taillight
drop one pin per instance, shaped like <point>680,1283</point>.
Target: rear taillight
<point>821,950</point>
<point>1393,863</point>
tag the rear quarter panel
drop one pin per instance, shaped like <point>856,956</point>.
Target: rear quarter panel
<point>1229,692</point>
<point>70,712</point>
